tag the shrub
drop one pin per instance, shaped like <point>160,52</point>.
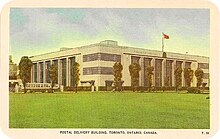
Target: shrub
<point>178,77</point>
<point>193,90</point>
<point>199,76</point>
<point>134,70</point>
<point>188,75</point>
<point>149,74</point>
<point>117,69</point>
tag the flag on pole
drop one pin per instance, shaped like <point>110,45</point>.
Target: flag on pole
<point>165,36</point>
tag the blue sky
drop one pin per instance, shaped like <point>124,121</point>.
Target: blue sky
<point>37,31</point>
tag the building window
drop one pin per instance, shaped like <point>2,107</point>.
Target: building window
<point>98,70</point>
<point>47,72</point>
<point>102,57</point>
<point>55,62</point>
<point>158,72</point>
<point>135,59</point>
<point>187,64</point>
<point>90,57</point>
<point>147,63</point>
<point>203,65</point>
<point>63,62</point>
<point>106,70</point>
<point>206,76</point>
<point>168,79</point>
<point>41,72</point>
<point>179,64</point>
<point>35,72</point>
<point>109,57</point>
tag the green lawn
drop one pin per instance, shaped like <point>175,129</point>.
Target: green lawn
<point>110,110</point>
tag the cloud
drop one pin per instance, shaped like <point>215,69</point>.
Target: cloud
<point>48,28</point>
<point>38,27</point>
<point>134,25</point>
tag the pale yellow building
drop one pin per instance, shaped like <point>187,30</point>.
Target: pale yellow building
<point>96,62</point>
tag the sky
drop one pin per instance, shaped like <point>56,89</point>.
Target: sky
<point>40,30</point>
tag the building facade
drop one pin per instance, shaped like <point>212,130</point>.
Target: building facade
<point>97,60</point>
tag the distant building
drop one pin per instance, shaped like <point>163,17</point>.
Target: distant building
<point>96,62</point>
<point>12,69</point>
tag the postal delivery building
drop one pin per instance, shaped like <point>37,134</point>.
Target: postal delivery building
<point>97,60</point>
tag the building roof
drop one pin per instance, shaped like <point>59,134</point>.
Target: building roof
<point>114,44</point>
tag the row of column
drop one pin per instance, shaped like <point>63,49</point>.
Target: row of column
<point>41,71</point>
<point>162,70</point>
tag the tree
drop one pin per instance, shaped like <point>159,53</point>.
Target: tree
<point>178,77</point>
<point>25,66</point>
<point>149,74</point>
<point>12,69</point>
<point>117,69</point>
<point>13,76</point>
<point>188,76</point>
<point>134,69</point>
<point>76,74</point>
<point>166,82</point>
<point>53,73</point>
<point>199,76</point>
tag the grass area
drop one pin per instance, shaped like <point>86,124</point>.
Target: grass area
<point>110,110</point>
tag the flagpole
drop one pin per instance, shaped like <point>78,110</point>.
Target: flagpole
<point>162,42</point>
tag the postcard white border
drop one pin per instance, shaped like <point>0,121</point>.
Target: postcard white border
<point>163,133</point>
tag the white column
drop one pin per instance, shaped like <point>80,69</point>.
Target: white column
<point>59,71</point>
<point>32,78</point>
<point>153,65</point>
<point>126,61</point>
<point>163,71</point>
<point>67,71</point>
<point>79,59</point>
<point>173,71</point>
<point>194,66</point>
<point>183,79</point>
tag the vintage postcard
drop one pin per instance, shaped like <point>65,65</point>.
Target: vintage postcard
<point>109,69</point>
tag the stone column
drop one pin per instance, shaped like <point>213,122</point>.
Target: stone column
<point>59,68</point>
<point>153,65</point>
<point>32,78</point>
<point>173,72</point>
<point>67,71</point>
<point>163,71</point>
<point>126,61</point>
<point>78,59</point>
<point>183,79</point>
<point>194,66</point>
